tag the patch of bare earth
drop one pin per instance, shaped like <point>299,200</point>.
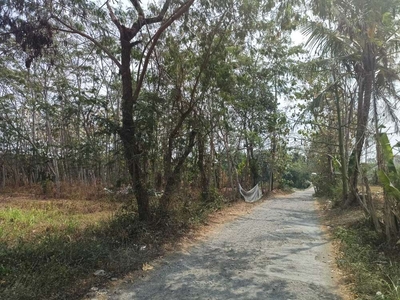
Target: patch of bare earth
<point>332,217</point>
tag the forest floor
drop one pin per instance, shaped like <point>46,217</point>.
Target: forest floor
<point>277,250</point>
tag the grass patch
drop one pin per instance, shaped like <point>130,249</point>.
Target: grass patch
<point>374,269</point>
<point>49,249</point>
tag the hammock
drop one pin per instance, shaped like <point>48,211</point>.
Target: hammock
<point>253,195</point>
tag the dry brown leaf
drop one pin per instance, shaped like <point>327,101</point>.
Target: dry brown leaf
<point>147,267</point>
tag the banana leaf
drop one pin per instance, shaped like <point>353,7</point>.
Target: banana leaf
<point>387,153</point>
<point>388,185</point>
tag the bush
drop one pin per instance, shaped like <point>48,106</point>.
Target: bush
<point>325,187</point>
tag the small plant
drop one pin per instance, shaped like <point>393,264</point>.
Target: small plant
<point>376,273</point>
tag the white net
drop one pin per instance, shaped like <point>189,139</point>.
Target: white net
<point>253,195</point>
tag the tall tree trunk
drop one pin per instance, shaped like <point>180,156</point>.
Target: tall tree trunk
<point>342,151</point>
<point>128,132</point>
<point>364,104</point>
<point>133,153</point>
<point>274,135</point>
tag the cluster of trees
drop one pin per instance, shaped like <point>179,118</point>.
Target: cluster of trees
<point>355,98</point>
<point>152,94</point>
<point>161,94</point>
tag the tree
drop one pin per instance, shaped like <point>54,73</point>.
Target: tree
<point>356,36</point>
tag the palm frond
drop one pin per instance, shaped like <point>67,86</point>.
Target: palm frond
<point>385,76</point>
<point>325,41</point>
<point>390,109</point>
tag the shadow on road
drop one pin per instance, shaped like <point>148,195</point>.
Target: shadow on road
<point>276,252</point>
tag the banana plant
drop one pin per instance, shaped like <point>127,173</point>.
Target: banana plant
<point>389,175</point>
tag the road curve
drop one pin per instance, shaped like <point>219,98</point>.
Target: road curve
<point>276,252</point>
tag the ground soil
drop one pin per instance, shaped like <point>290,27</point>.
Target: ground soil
<point>274,250</point>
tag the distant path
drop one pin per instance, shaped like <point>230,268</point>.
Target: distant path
<point>276,252</point>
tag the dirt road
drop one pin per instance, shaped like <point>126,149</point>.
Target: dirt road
<point>276,252</point>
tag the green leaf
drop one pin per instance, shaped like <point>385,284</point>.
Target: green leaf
<point>387,153</point>
<point>388,185</point>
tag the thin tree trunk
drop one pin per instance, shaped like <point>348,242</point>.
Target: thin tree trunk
<point>230,165</point>
<point>4,175</point>
<point>174,176</point>
<point>201,165</point>
<point>343,162</point>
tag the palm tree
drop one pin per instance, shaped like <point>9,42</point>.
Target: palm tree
<point>359,35</point>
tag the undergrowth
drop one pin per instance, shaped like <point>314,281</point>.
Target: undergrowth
<point>374,267</point>
<point>58,260</point>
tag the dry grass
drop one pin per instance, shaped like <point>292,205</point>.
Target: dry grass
<point>376,189</point>
<point>364,263</point>
<point>49,247</point>
<point>48,190</point>
<point>31,217</point>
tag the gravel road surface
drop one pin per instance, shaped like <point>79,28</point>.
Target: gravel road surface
<point>276,252</point>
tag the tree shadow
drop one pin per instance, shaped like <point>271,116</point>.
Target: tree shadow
<point>279,262</point>
<point>224,272</point>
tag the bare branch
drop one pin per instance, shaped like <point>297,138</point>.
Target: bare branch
<point>139,9</point>
<point>133,44</point>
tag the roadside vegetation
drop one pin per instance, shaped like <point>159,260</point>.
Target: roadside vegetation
<point>51,248</point>
<point>368,248</point>
<point>369,266</point>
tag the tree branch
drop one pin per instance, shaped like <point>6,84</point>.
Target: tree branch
<point>142,20</point>
<point>160,16</point>
<point>133,44</point>
<point>178,13</point>
<point>139,9</point>
<point>93,40</point>
<point>113,17</point>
